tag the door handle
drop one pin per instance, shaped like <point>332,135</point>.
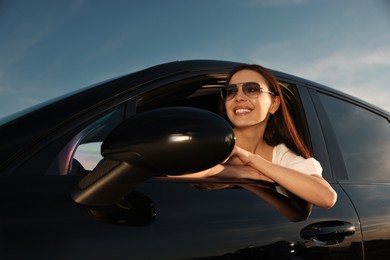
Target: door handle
<point>327,232</point>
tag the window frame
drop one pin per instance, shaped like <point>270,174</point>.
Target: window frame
<point>318,140</point>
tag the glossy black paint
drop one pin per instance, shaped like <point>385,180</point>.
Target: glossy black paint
<point>235,219</point>
<point>196,138</point>
<point>168,217</point>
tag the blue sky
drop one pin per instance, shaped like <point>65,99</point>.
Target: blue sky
<point>49,48</point>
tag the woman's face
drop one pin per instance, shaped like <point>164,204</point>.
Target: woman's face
<point>243,111</point>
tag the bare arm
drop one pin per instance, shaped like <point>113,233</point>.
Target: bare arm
<point>312,188</point>
<point>229,171</point>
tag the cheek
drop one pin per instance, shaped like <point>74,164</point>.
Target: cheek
<point>227,110</point>
<point>264,105</point>
<point>227,105</point>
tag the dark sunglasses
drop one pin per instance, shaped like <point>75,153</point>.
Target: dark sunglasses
<point>250,89</point>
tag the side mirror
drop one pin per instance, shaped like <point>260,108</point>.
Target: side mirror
<point>173,140</point>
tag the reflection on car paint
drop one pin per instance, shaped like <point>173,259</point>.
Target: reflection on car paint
<point>292,207</point>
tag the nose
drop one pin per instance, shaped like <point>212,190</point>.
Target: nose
<point>240,96</point>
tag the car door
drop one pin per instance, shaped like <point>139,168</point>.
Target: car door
<point>358,136</point>
<point>218,218</point>
<point>165,217</point>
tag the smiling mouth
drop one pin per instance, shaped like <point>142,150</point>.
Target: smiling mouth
<point>242,111</point>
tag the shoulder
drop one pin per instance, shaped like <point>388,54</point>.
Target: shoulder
<point>282,153</point>
<point>285,157</point>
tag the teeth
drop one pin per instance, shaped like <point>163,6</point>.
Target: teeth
<point>242,111</point>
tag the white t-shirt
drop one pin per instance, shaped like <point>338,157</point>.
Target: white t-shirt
<point>283,156</point>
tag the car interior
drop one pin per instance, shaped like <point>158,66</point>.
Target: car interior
<point>199,92</point>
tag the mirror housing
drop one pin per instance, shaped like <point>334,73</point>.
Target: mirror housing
<point>172,140</point>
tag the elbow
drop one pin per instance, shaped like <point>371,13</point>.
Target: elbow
<point>329,200</point>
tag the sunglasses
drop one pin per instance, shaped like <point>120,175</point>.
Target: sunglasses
<point>250,89</point>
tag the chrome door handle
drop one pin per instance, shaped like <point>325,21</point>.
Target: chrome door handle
<point>327,232</point>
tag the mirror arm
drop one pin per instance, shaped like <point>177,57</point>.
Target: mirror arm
<point>110,181</point>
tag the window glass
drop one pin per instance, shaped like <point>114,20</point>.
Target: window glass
<point>363,137</point>
<point>86,145</point>
<point>57,155</point>
<point>88,155</point>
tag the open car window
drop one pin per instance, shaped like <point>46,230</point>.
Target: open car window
<point>199,92</point>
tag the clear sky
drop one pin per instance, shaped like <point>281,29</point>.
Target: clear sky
<point>51,47</point>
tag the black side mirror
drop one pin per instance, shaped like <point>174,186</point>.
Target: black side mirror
<point>174,141</point>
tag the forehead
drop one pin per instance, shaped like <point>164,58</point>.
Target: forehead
<point>247,76</point>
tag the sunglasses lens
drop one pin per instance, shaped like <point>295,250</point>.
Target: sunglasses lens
<point>251,89</point>
<point>229,91</point>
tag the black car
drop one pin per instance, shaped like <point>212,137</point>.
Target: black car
<point>96,174</point>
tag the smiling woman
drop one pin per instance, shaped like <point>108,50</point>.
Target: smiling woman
<point>268,146</point>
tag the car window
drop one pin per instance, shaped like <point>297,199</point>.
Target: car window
<point>206,95</point>
<point>85,146</point>
<point>195,93</point>
<point>59,152</point>
<point>88,155</point>
<point>363,138</point>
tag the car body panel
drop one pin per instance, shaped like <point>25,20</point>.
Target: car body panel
<point>190,222</point>
<point>181,218</point>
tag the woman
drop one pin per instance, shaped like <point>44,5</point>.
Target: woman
<point>268,146</point>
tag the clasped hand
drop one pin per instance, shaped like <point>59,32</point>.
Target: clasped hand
<point>237,165</point>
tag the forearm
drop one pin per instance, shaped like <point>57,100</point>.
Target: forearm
<point>228,171</point>
<point>311,188</point>
<point>202,174</point>
<point>241,172</point>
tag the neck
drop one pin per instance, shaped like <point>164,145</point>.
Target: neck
<point>250,138</point>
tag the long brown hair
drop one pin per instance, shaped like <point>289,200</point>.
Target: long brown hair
<point>280,127</point>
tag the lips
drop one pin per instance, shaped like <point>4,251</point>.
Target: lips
<point>240,111</point>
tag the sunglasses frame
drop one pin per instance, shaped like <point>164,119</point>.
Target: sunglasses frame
<point>244,87</point>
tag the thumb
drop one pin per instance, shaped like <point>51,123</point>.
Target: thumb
<point>234,151</point>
